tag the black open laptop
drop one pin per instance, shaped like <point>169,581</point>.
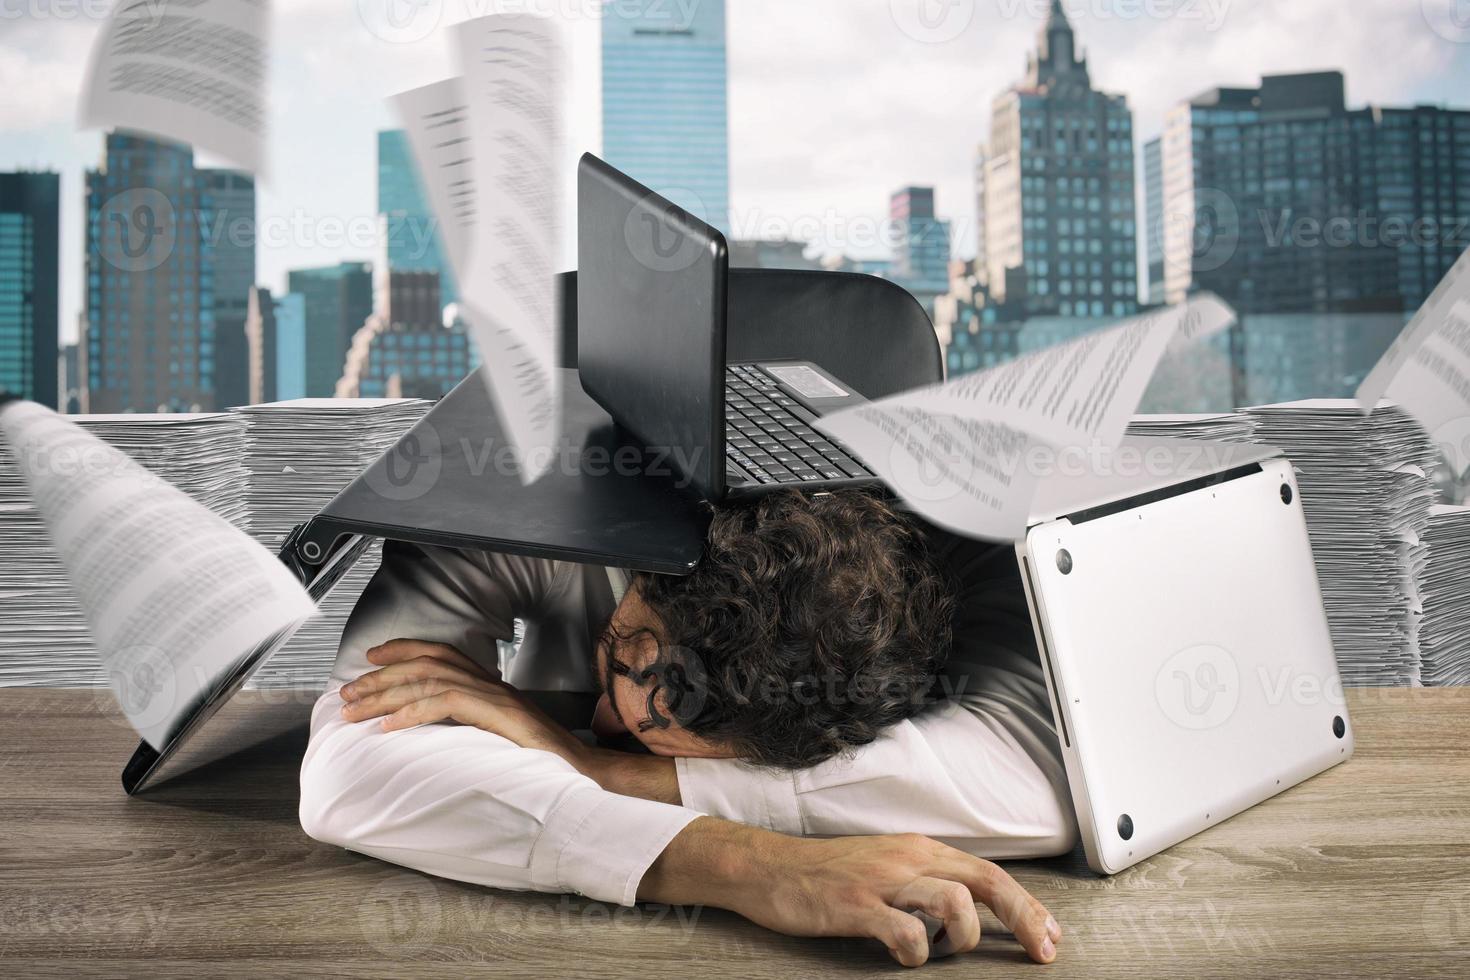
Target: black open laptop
<point>645,517</point>
<point>652,283</point>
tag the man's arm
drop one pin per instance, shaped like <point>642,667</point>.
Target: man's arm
<point>982,770</point>
<point>453,800</point>
<point>463,803</point>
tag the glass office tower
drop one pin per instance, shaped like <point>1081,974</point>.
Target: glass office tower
<point>30,219</point>
<point>337,302</point>
<point>664,101</point>
<point>1056,188</point>
<point>412,241</point>
<point>1283,200</point>
<point>921,246</point>
<point>149,342</point>
<point>228,203</point>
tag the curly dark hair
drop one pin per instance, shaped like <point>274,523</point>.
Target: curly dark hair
<point>812,623</point>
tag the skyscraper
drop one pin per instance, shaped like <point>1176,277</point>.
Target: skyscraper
<point>337,301</point>
<point>30,219</point>
<point>1283,200</point>
<point>1056,189</point>
<point>664,101</point>
<point>1153,209</point>
<point>228,204</point>
<point>406,349</point>
<point>921,245</point>
<point>410,235</point>
<point>275,335</point>
<point>149,341</point>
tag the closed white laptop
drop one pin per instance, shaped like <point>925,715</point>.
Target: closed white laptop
<point>1184,641</point>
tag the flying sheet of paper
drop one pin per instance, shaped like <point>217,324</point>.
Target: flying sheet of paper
<point>961,452</point>
<point>190,71</point>
<point>436,119</point>
<point>174,594</point>
<point>1433,383</point>
<point>513,77</point>
<point>1454,287</point>
<point>1426,370</point>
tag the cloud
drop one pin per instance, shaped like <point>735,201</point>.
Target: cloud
<point>40,70</point>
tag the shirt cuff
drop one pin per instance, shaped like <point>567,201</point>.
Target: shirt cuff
<point>753,795</point>
<point>600,845</point>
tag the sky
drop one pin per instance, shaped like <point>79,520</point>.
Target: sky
<point>834,104</point>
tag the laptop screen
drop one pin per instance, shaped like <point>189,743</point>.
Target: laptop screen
<point>651,321</point>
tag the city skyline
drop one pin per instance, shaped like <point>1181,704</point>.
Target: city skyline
<point>847,130</point>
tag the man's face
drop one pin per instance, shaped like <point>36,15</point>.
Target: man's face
<point>624,706</point>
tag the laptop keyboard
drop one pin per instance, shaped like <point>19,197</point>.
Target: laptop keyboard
<point>769,438</point>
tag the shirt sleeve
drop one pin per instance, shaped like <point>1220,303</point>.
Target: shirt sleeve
<point>452,800</point>
<point>980,770</point>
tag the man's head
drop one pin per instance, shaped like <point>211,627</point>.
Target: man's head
<point>811,624</point>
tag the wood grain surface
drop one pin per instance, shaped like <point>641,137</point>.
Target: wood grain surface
<point>1363,871</point>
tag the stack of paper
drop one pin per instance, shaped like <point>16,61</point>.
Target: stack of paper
<point>43,633</point>
<point>1214,426</point>
<point>299,454</point>
<point>1444,630</point>
<point>1366,496</point>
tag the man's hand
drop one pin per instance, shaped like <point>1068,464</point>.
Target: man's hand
<point>421,682</point>
<point>847,886</point>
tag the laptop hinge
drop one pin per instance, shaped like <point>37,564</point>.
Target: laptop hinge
<point>1163,493</point>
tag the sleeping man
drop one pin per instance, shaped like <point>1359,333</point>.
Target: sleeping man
<point>835,719</point>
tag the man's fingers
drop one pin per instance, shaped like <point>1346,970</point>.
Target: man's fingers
<point>454,704</point>
<point>904,935</point>
<point>952,905</point>
<point>388,701</point>
<point>396,651</point>
<point>1026,918</point>
<point>418,669</point>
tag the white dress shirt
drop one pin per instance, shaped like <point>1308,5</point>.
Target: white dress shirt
<point>981,771</point>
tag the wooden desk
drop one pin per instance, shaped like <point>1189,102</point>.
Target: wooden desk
<point>1361,872</point>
